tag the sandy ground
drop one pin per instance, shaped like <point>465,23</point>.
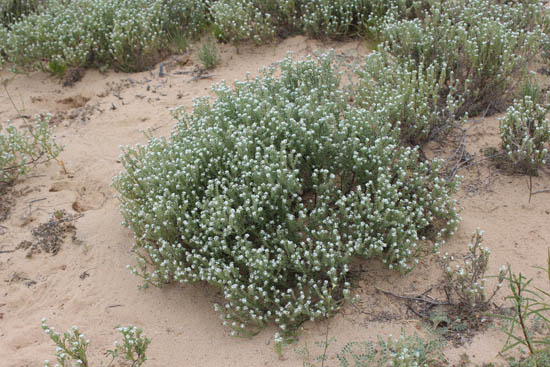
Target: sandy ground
<point>87,283</point>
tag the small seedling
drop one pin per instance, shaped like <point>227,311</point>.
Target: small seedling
<point>133,347</point>
<point>71,347</point>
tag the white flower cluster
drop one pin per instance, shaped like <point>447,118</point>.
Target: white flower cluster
<point>408,95</point>
<point>133,347</point>
<point>71,346</point>
<point>270,192</point>
<point>126,33</point>
<point>525,134</point>
<point>484,57</point>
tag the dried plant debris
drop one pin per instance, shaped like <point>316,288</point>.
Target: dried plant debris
<point>49,236</point>
<point>6,203</point>
<point>21,278</point>
<point>72,76</point>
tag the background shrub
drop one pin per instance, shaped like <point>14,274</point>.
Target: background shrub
<point>262,20</point>
<point>129,34</point>
<point>525,134</point>
<point>486,58</point>
<point>13,10</point>
<point>271,192</point>
<point>416,99</point>
<point>243,20</point>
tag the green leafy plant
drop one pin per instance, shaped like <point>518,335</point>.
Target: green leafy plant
<point>531,305</point>
<point>469,281</point>
<point>272,190</point>
<point>71,347</point>
<point>21,150</point>
<point>484,60</point>
<point>209,55</point>
<point>525,134</point>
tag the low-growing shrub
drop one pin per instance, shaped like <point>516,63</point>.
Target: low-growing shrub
<point>21,150</point>
<point>270,192</point>
<point>403,351</point>
<point>525,134</point>
<point>409,96</point>
<point>485,59</point>
<point>468,282</point>
<point>129,34</point>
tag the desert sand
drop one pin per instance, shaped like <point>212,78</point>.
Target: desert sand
<point>87,283</point>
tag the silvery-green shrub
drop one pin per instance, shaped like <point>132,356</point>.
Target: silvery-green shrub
<point>417,99</point>
<point>262,20</point>
<point>12,10</point>
<point>129,34</point>
<point>486,57</point>
<point>242,20</point>
<point>525,133</point>
<point>269,193</point>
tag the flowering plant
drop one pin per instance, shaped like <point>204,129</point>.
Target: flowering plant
<point>272,190</point>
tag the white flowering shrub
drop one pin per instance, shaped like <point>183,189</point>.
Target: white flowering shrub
<point>242,20</point>
<point>525,134</point>
<point>338,17</point>
<point>486,57</point>
<point>409,96</point>
<point>468,281</point>
<point>21,150</point>
<point>270,192</point>
<point>262,20</point>
<point>129,34</point>
<point>12,10</point>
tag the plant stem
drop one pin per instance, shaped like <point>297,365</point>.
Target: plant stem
<point>520,317</point>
